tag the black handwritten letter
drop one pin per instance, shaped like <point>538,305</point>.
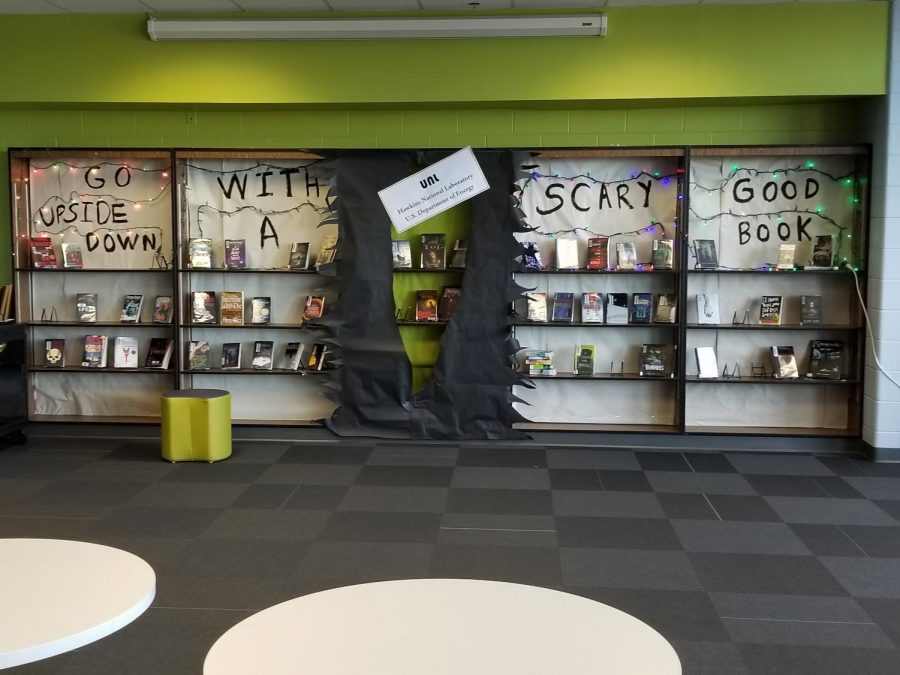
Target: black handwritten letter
<point>762,232</point>
<point>288,188</point>
<point>604,196</point>
<point>555,197</point>
<point>621,191</point>
<point>574,190</point>
<point>789,189</point>
<point>812,188</point>
<point>784,231</point>
<point>746,192</point>
<point>267,224</point>
<point>118,213</point>
<point>743,232</point>
<point>235,182</point>
<point>264,175</point>
<point>98,182</point>
<point>91,241</point>
<point>801,228</point>
<point>314,183</point>
<point>646,188</point>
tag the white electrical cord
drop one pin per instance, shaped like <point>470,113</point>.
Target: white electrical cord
<point>869,327</point>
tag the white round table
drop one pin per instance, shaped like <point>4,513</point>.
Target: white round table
<point>58,595</point>
<point>441,627</point>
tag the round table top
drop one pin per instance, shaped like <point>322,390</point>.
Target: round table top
<point>58,595</point>
<point>441,627</point>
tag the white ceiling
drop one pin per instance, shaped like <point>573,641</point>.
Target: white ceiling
<point>237,6</point>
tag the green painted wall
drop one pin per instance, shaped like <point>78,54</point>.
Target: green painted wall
<point>650,53</point>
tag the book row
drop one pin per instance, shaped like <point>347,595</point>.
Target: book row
<point>430,306</point>
<point>227,308</point>
<point>567,256</point>
<point>770,310</point>
<point>822,258</point>
<point>825,362</point>
<point>655,360</point>
<point>602,308</point>
<point>432,253</point>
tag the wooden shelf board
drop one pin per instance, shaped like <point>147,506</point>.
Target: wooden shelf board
<point>771,431</point>
<point>623,428</point>
<point>523,270</point>
<point>753,270</point>
<point>756,326</point>
<point>255,326</point>
<point>223,270</point>
<point>422,323</point>
<point>416,270</point>
<point>98,324</point>
<point>277,423</point>
<point>795,381</point>
<point>591,324</point>
<point>254,371</point>
<point>598,376</point>
<point>91,270</point>
<point>94,371</point>
<point>96,419</point>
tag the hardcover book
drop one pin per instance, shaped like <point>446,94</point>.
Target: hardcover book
<point>231,356</point>
<point>42,254</point>
<point>94,354</point>
<point>200,253</point>
<point>261,309</point>
<point>401,254</point>
<point>317,357</point>
<point>448,301</point>
<point>770,310</point>
<point>708,308</point>
<point>705,253</point>
<point>539,363</point>
<point>665,307</point>
<point>162,309</point>
<point>6,302</point>
<point>784,363</point>
<point>231,308</point>
<point>641,307</point>
<point>656,360</point>
<point>86,307</point>
<point>293,356</point>
<point>566,253</point>
<point>432,253</point>
<point>531,256</point>
<point>592,307</point>
<point>55,353</point>
<point>235,254</point>
<point>707,366</point>
<point>458,259</point>
<point>125,352</point>
<point>536,306</point>
<point>826,359</point>
<point>563,307</point>
<point>263,351</point>
<point>159,353</point>
<point>327,250</point>
<point>299,259</point>
<point>598,253</point>
<point>131,308</point>
<point>314,307</point>
<point>198,355</point>
<point>203,306</point>
<point>823,252</point>
<point>426,305</point>
<point>626,255</point>
<point>617,308</point>
<point>786,256</point>
<point>71,254</point>
<point>584,360</point>
<point>663,254</point>
<point>810,310</point>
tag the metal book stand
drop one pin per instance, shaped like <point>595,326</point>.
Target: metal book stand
<point>760,371</point>
<point>621,372</point>
<point>735,372</point>
<point>52,318</point>
<point>743,322</point>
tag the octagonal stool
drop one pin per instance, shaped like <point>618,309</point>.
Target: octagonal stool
<point>196,425</point>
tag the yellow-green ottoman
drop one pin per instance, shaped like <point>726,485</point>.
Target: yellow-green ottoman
<point>196,425</point>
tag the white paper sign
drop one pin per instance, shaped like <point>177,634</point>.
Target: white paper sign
<point>434,189</point>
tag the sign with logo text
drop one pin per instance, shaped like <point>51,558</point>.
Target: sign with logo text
<point>434,189</point>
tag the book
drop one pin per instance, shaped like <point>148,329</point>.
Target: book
<point>810,310</point>
<point>327,250</point>
<point>94,353</point>
<point>261,309</point>
<point>626,255</point>
<point>825,359</point>
<point>71,255</point>
<point>563,307</point>
<point>200,253</point>
<point>584,360</point>
<point>432,253</point>
<point>299,259</point>
<point>42,254</point>
<point>770,310</point>
<point>705,254</point>
<point>162,309</point>
<point>823,252</point>
<point>598,253</point>
<point>641,307</point>
<point>786,256</point>
<point>159,353</point>
<point>6,302</point>
<point>198,355</point>
<point>314,307</point>
<point>539,363</point>
<point>231,356</point>
<point>293,356</point>
<point>566,253</point>
<point>784,363</point>
<point>458,259</point>
<point>663,254</point>
<point>55,353</point>
<point>86,307</point>
<point>656,361</point>
<point>707,308</point>
<point>125,352</point>
<point>317,356</point>
<point>707,366</point>
<point>426,305</point>
<point>263,351</point>
<point>231,308</point>
<point>665,307</point>
<point>617,308</point>
<point>401,254</point>
<point>235,254</point>
<point>536,302</point>
<point>203,306</point>
<point>131,308</point>
<point>448,301</point>
<point>531,256</point>
<point>592,307</point>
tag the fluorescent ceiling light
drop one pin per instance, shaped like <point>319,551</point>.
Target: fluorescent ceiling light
<point>375,29</point>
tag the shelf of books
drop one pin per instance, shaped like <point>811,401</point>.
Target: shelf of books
<point>257,238</point>
<point>602,252</point>
<point>93,246</point>
<point>775,291</point>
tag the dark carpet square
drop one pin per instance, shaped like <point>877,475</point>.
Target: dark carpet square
<point>524,565</point>
<point>624,533</point>
<point>316,497</point>
<point>846,466</point>
<point>785,486</point>
<point>741,507</point>
<point>886,613</point>
<point>264,496</point>
<point>371,561</point>
<point>882,469</point>
<point>134,451</point>
<point>709,462</point>
<point>890,507</point>
<point>574,479</point>
<point>160,522</point>
<point>826,540</point>
<point>662,461</point>
<point>625,481</point>
<point>802,660</point>
<point>876,541</point>
<point>686,506</point>
<point>237,558</point>
<point>337,453</point>
<point>835,486</point>
<point>756,573</point>
<point>86,493</point>
<point>510,457</point>
<point>475,500</point>
<point>417,528</point>
<point>408,476</point>
<point>217,472</point>
<point>618,568</point>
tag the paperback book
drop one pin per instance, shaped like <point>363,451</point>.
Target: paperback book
<point>665,307</point>
<point>663,254</point>
<point>125,352</point>
<point>531,256</point>
<point>6,302</point>
<point>539,363</point>
<point>626,255</point>
<point>448,301</point>
<point>231,308</point>
<point>55,353</point>
<point>71,254</point>
<point>261,309</point>
<point>159,353</point>
<point>810,310</point>
<point>131,308</point>
<point>826,359</point>
<point>823,252</point>
<point>705,254</point>
<point>584,360</point>
<point>198,355</point>
<point>617,308</point>
<point>317,356</point>
<point>770,310</point>
<point>327,250</point>
<point>299,259</point>
<point>656,361</point>
<point>42,254</point>
<point>432,252</point>
<point>426,305</point>
<point>566,253</point>
<point>203,306</point>
<point>314,307</point>
<point>401,254</point>
<point>263,351</point>
<point>784,363</point>
<point>200,253</point>
<point>536,305</point>
<point>231,356</point>
<point>641,307</point>
<point>162,309</point>
<point>458,259</point>
<point>707,308</point>
<point>563,307</point>
<point>786,256</point>
<point>592,307</point>
<point>707,366</point>
<point>94,353</point>
<point>598,253</point>
<point>235,254</point>
<point>86,307</point>
<point>293,356</point>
